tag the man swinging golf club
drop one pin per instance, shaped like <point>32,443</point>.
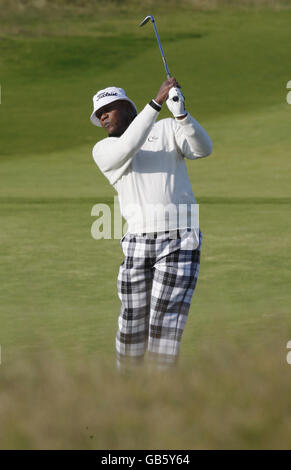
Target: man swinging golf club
<point>144,160</point>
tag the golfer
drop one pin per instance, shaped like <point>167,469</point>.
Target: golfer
<point>144,161</point>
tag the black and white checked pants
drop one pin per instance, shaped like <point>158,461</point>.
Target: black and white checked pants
<point>156,282</point>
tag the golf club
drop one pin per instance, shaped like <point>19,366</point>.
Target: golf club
<point>148,18</point>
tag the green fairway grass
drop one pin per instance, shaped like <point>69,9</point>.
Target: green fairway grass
<point>58,291</point>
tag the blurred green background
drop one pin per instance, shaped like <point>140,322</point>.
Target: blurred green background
<point>58,285</point>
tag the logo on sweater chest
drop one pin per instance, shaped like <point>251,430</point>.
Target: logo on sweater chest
<point>152,138</point>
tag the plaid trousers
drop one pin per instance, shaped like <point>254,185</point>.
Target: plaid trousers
<point>156,282</point>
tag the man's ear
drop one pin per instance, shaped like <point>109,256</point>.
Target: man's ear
<point>133,111</point>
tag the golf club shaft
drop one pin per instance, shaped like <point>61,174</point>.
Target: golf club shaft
<point>161,49</point>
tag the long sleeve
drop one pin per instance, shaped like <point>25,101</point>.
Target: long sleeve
<point>113,155</point>
<point>191,139</point>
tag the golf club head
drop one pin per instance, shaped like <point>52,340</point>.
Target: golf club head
<point>147,18</point>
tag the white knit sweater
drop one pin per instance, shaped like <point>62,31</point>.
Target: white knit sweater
<point>147,169</point>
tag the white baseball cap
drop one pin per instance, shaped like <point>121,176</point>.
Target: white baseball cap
<point>106,96</point>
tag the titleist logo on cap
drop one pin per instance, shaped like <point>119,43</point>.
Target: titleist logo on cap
<point>105,94</point>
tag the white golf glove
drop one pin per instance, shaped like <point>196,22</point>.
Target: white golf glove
<point>176,106</point>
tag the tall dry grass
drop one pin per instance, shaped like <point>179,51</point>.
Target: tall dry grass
<point>94,5</point>
<point>227,396</point>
